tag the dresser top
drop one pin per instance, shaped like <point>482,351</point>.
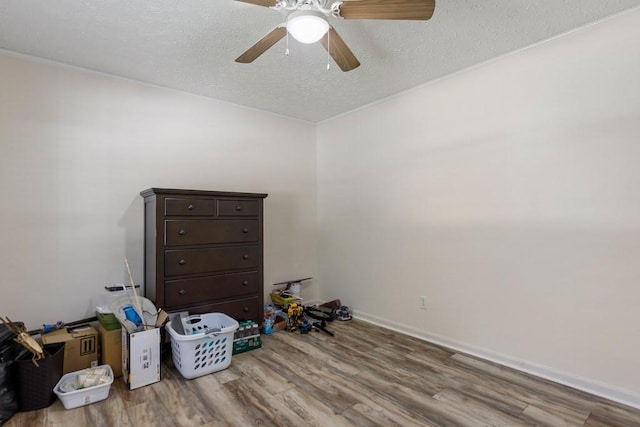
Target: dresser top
<point>172,191</point>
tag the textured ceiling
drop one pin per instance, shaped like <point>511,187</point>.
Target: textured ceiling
<point>190,45</point>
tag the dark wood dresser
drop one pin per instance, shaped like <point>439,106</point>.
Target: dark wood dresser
<point>203,251</point>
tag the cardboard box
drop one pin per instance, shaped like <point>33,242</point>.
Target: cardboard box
<point>111,350</point>
<point>81,346</point>
<point>246,337</point>
<point>140,357</point>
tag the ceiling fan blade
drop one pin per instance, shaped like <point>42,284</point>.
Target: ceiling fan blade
<point>262,45</point>
<point>388,9</point>
<point>265,3</point>
<point>339,51</point>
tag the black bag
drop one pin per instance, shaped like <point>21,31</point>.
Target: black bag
<point>10,351</point>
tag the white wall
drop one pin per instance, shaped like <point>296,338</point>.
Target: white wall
<point>509,196</point>
<point>76,148</point>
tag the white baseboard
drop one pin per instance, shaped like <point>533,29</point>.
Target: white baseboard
<point>597,388</point>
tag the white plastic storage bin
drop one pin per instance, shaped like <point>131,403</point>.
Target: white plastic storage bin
<point>205,347</point>
<point>84,396</point>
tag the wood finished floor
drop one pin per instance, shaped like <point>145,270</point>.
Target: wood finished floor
<point>364,376</point>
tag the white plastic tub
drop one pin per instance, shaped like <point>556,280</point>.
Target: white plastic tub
<point>84,396</point>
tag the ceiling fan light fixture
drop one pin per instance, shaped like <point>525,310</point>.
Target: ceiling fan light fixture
<point>307,26</point>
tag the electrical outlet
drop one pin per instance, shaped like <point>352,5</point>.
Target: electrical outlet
<point>423,302</point>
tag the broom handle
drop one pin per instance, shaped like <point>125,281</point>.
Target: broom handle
<point>135,295</point>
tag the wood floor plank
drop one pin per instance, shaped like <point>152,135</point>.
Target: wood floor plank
<point>61,417</point>
<point>335,389</point>
<point>343,389</point>
<point>317,349</point>
<point>146,413</point>
<point>363,376</point>
<point>367,357</point>
<point>188,393</point>
<point>130,399</point>
<point>229,411</point>
<point>407,372</point>
<point>312,411</point>
<point>387,337</point>
<point>264,376</point>
<point>313,378</point>
<point>186,409</point>
<point>363,415</point>
<point>544,418</point>
<point>483,413</point>
<point>261,403</point>
<point>476,384</point>
<point>109,412</point>
<point>572,405</point>
<point>33,418</point>
<point>614,414</point>
<point>419,404</point>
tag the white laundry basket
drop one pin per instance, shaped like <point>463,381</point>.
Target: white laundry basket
<point>205,347</point>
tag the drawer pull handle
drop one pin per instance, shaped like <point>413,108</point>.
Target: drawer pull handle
<point>245,230</point>
<point>182,232</point>
<point>238,208</point>
<point>245,283</point>
<point>182,292</point>
<point>182,262</point>
<point>245,256</point>
<point>190,207</point>
<point>245,309</point>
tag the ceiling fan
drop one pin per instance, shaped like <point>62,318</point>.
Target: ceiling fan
<point>307,22</point>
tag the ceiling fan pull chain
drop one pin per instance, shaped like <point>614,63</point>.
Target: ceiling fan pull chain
<point>286,52</point>
<point>328,50</point>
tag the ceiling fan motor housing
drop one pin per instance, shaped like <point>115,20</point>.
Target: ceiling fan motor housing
<point>307,26</point>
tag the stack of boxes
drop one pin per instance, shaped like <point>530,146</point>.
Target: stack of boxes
<point>246,337</point>
<point>80,346</point>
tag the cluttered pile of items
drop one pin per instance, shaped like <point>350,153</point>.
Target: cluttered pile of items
<point>35,367</point>
<point>61,359</point>
<point>287,312</point>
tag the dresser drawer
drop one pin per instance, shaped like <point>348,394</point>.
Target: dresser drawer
<point>196,291</point>
<point>240,309</point>
<point>193,261</point>
<point>185,206</point>
<point>210,231</point>
<point>229,207</point>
